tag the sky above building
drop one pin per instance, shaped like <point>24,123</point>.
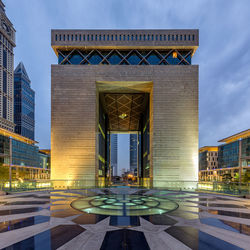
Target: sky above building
<point>223,54</point>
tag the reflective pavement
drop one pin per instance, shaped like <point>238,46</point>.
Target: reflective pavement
<point>124,218</point>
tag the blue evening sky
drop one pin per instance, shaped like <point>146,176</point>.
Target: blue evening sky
<point>223,54</point>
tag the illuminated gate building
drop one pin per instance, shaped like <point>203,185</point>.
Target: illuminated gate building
<point>130,81</point>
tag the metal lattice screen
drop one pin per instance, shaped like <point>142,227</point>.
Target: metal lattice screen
<point>125,57</point>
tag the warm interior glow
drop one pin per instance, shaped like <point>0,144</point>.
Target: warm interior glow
<point>174,54</point>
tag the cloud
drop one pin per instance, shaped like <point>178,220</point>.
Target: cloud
<point>223,54</point>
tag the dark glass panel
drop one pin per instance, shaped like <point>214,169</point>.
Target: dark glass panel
<point>75,58</point>
<point>153,58</point>
<point>143,52</point>
<point>133,59</point>
<point>4,82</point>
<point>114,58</point>
<point>4,107</point>
<point>60,58</point>
<point>4,58</point>
<point>163,63</point>
<point>171,60</point>
<point>124,63</point>
<point>95,58</point>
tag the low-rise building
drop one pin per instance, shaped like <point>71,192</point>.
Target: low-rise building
<point>233,159</point>
<point>22,155</point>
<point>208,161</point>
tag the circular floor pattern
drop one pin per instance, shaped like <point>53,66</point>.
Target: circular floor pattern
<point>124,205</point>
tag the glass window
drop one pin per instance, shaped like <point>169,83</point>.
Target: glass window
<point>172,37</point>
<point>56,37</point>
<point>95,58</point>
<point>114,58</point>
<point>63,37</point>
<point>75,58</point>
<point>75,37</point>
<point>153,59</point>
<point>5,58</point>
<point>72,38</point>
<point>134,59</point>
<point>92,37</point>
<point>168,37</point>
<point>60,37</point>
<point>152,37</point>
<point>4,81</point>
<point>4,107</point>
<point>156,37</point>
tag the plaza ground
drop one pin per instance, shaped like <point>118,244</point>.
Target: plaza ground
<point>123,218</point>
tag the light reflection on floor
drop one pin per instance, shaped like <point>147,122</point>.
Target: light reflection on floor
<point>114,218</point>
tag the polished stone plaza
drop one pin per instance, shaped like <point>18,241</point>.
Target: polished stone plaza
<point>123,218</point>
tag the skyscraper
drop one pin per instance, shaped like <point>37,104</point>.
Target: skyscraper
<point>114,153</point>
<point>133,152</point>
<point>24,103</point>
<point>7,43</point>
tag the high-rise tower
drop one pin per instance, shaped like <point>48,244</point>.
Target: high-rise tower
<point>114,148</point>
<point>7,43</point>
<point>24,103</point>
<point>133,152</point>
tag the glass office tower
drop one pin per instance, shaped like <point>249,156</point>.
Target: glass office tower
<point>133,152</point>
<point>24,103</point>
<point>114,153</point>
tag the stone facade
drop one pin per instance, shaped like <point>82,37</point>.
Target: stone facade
<point>173,116</point>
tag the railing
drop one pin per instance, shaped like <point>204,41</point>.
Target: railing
<point>218,187</point>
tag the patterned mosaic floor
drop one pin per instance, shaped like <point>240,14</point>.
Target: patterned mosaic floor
<point>120,218</point>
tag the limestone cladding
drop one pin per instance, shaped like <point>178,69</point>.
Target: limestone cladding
<point>173,125</point>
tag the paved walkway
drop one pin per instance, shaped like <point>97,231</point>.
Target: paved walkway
<point>46,220</point>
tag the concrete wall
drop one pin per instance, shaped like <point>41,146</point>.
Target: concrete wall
<point>174,119</point>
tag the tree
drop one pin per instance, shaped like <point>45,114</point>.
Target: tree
<point>4,173</point>
<point>246,176</point>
